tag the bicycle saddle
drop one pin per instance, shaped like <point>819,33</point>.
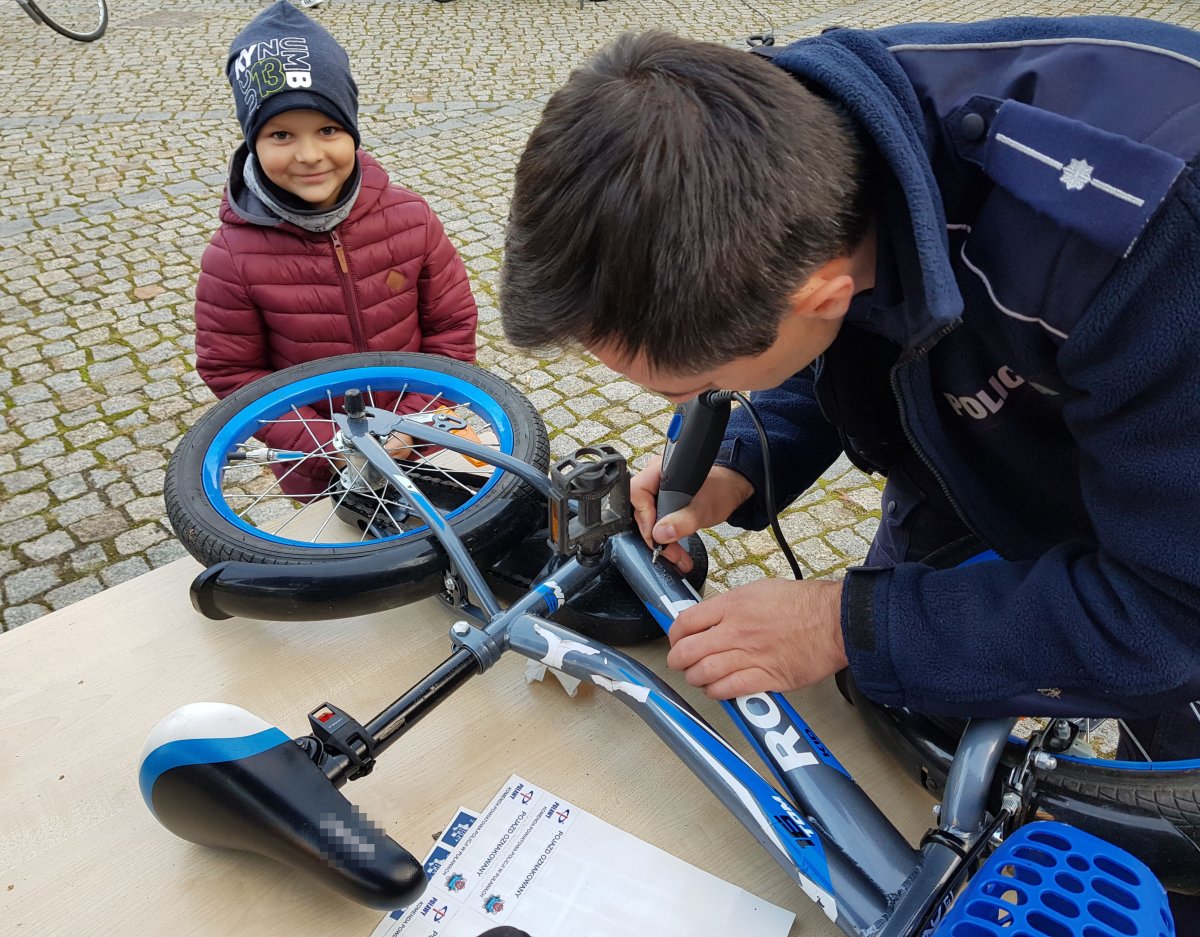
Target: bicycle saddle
<point>217,775</point>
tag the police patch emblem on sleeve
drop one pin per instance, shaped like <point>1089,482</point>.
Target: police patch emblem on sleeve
<point>1101,185</point>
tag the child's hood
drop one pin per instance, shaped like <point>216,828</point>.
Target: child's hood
<point>240,200</point>
<point>241,206</point>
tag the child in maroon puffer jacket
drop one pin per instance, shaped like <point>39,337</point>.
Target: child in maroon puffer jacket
<point>317,254</point>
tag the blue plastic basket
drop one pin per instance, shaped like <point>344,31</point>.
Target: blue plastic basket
<point>1052,880</point>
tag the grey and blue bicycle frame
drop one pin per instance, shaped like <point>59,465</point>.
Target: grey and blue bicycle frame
<point>824,832</point>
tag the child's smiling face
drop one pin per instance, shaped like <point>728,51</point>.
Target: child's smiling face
<point>307,154</point>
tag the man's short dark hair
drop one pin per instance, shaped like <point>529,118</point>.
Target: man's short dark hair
<point>673,196</point>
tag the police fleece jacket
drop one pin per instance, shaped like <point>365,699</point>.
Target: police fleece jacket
<point>271,295</point>
<point>1026,369</point>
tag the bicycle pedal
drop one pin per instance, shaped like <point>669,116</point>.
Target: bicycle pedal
<point>606,609</point>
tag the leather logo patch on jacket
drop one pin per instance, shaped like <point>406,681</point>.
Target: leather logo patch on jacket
<point>396,281</point>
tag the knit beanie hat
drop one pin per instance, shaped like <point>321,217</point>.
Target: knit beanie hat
<point>284,61</point>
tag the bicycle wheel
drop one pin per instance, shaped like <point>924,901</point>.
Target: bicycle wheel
<point>226,485</point>
<point>1150,809</point>
<point>81,20</point>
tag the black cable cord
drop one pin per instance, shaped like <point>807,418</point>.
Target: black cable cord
<point>768,485</point>
<point>967,860</point>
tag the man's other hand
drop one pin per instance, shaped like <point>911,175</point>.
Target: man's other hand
<point>720,495</point>
<point>773,634</point>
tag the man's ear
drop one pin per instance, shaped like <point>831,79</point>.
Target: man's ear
<point>827,292</point>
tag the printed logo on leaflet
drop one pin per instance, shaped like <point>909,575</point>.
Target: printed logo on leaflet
<point>561,815</point>
<point>457,831</point>
<point>494,904</point>
<point>456,882</point>
<point>435,860</point>
<point>432,910</point>
<point>525,794</point>
<point>263,68</point>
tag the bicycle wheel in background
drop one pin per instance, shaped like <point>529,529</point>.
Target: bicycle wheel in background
<point>1149,808</point>
<point>81,20</point>
<point>223,487</point>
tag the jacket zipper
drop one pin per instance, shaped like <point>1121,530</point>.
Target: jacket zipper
<point>912,440</point>
<point>356,329</point>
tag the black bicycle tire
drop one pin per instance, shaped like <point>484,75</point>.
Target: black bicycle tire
<point>1153,814</point>
<point>500,518</point>
<point>95,34</point>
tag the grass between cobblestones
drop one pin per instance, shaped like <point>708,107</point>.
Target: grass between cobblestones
<point>113,174</point>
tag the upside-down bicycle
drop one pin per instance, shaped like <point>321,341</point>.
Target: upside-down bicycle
<point>469,495</point>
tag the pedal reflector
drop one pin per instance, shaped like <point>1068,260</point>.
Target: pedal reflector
<point>1052,880</point>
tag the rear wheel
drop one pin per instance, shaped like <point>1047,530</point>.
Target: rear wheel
<point>1149,808</point>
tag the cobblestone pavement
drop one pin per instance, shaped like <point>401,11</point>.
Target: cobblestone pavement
<point>113,160</point>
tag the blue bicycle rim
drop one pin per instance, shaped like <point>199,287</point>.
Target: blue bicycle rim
<point>243,424</point>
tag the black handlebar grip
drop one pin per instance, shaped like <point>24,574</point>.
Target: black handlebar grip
<point>256,790</point>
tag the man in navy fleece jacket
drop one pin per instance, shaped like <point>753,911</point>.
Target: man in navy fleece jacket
<point>966,255</point>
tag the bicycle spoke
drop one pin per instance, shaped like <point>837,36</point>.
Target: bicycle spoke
<point>1130,734</point>
<point>432,400</point>
<point>371,522</point>
<point>340,501</point>
<point>293,516</point>
<point>279,481</point>
<point>268,496</point>
<point>320,446</point>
